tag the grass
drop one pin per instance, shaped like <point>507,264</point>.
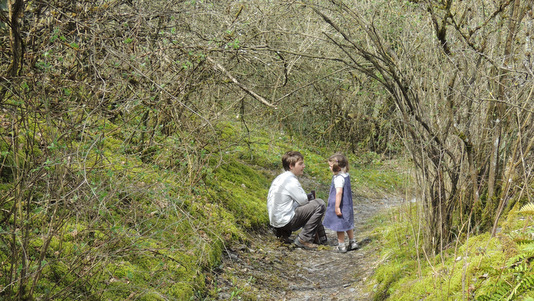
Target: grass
<point>479,267</point>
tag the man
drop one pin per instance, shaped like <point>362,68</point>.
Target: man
<point>290,208</point>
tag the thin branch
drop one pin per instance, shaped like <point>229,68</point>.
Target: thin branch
<point>242,86</point>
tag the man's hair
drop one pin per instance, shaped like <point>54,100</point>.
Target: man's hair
<point>339,162</point>
<point>291,158</point>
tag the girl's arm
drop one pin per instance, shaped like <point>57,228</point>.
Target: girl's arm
<point>339,195</point>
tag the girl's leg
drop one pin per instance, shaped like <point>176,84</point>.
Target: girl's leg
<point>353,245</point>
<point>341,237</point>
<point>341,247</point>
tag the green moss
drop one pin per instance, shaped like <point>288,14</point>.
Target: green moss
<point>382,178</point>
<point>242,190</point>
<point>181,291</point>
<point>59,272</point>
<point>154,295</point>
<point>386,276</point>
<point>161,275</point>
<point>479,268</point>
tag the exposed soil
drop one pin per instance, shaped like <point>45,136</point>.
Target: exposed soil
<point>266,269</point>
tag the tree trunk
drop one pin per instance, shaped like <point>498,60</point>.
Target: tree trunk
<point>15,8</point>
<point>500,114</point>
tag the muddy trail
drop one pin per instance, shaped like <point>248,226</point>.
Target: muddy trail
<point>266,269</point>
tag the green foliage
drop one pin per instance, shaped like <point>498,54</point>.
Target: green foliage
<point>528,208</point>
<point>243,191</point>
<point>479,268</point>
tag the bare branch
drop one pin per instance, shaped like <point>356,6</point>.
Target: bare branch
<point>242,86</point>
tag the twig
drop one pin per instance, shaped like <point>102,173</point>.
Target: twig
<point>245,88</point>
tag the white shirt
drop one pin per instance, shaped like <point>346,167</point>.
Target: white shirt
<point>339,179</point>
<point>284,196</point>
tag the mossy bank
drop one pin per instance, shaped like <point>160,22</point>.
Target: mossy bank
<point>105,221</point>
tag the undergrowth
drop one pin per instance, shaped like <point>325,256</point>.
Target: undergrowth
<point>479,267</point>
<point>108,220</point>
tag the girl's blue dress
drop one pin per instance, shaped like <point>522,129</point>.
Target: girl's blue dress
<point>346,221</point>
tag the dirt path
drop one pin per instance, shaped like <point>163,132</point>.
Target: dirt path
<point>269,270</point>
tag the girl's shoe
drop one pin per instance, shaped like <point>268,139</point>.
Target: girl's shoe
<point>353,245</point>
<point>341,248</point>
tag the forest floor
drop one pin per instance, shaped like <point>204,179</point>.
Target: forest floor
<point>266,269</point>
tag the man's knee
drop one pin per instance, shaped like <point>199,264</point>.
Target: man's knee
<point>321,206</point>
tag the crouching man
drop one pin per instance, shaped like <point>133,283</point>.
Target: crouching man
<point>290,208</point>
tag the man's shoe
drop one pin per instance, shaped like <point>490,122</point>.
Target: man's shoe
<point>304,244</point>
<point>320,240</point>
<point>323,242</point>
<point>285,239</point>
<point>320,237</point>
<point>353,245</point>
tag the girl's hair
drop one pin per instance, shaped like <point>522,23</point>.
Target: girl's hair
<point>340,162</point>
<point>291,158</point>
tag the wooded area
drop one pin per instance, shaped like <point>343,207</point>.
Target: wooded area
<point>84,85</point>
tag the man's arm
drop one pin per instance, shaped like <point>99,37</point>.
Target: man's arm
<point>296,191</point>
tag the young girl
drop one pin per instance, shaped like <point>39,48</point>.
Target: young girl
<point>339,214</point>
